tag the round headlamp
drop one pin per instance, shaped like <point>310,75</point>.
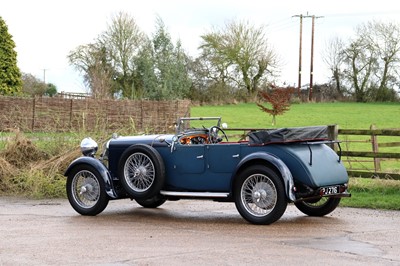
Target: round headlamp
<point>89,147</point>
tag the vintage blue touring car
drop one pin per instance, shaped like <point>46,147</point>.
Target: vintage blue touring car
<point>260,174</point>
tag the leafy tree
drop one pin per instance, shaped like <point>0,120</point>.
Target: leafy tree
<point>241,52</point>
<point>173,80</point>
<point>51,90</point>
<point>210,79</point>
<point>145,74</point>
<point>10,75</point>
<point>278,98</point>
<point>123,61</point>
<point>123,39</point>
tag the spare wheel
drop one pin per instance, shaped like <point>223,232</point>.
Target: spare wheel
<point>141,171</point>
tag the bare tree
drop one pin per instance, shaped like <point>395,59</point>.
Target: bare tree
<point>334,58</point>
<point>92,60</point>
<point>360,56</point>
<point>32,86</point>
<point>370,61</point>
<point>385,39</point>
<point>240,51</point>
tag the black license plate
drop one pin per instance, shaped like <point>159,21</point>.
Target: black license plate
<point>330,190</point>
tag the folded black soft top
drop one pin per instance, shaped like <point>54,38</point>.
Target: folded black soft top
<point>283,135</point>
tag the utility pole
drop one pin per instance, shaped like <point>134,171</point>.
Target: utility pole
<point>312,52</point>
<point>312,57</point>
<point>44,75</point>
<point>300,50</point>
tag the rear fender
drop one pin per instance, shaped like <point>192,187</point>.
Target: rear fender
<point>101,168</point>
<point>271,159</point>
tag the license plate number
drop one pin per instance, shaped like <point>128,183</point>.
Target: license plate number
<point>330,190</point>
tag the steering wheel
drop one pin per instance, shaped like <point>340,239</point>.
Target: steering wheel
<point>213,134</point>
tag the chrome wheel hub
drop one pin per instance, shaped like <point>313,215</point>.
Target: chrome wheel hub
<point>86,189</point>
<point>140,172</point>
<point>258,195</point>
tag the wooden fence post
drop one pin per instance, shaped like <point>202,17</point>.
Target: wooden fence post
<point>333,131</point>
<point>70,115</point>
<point>33,113</point>
<point>374,142</point>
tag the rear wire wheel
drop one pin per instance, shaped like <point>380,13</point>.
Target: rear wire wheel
<point>153,202</point>
<point>318,207</point>
<point>260,195</point>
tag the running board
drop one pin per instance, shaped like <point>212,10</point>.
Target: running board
<point>195,194</point>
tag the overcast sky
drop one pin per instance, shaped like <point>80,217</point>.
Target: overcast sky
<point>45,31</point>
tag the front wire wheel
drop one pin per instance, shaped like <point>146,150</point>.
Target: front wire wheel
<point>260,195</point>
<point>86,191</point>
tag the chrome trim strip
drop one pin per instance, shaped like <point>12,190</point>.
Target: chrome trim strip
<point>195,194</point>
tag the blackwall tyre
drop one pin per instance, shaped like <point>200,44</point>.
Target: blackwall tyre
<point>141,171</point>
<point>320,207</point>
<point>153,202</point>
<point>260,195</point>
<point>86,190</point>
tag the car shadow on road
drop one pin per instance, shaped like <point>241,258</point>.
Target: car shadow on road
<point>192,215</point>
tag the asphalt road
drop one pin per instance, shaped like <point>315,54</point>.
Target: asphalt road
<point>50,232</point>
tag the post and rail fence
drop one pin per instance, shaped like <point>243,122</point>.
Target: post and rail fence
<point>361,152</point>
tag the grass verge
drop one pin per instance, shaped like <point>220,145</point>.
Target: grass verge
<point>373,193</point>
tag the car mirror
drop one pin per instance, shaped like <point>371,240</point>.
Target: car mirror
<point>174,141</point>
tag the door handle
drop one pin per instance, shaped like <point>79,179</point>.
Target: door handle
<point>200,157</point>
<point>235,156</point>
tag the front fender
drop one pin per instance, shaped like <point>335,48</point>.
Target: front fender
<point>277,163</point>
<point>101,168</point>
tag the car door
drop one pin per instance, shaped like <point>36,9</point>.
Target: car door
<point>223,158</point>
<point>189,159</point>
<point>203,167</point>
<point>186,167</point>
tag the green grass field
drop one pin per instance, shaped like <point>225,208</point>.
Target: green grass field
<point>346,115</point>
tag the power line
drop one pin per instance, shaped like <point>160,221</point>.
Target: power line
<point>280,25</point>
